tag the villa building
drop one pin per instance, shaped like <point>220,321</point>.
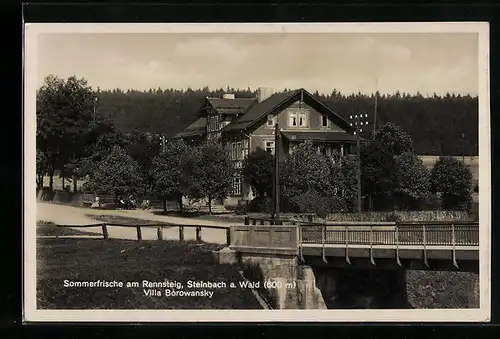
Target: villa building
<point>242,125</point>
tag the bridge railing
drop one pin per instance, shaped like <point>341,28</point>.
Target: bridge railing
<point>404,233</point>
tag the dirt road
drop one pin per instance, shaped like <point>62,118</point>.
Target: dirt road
<point>68,215</point>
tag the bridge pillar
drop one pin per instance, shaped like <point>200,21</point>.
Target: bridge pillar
<point>269,255</point>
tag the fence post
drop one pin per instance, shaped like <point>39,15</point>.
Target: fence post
<point>262,221</point>
<point>453,240</point>
<point>139,234</point>
<point>228,236</point>
<point>247,222</point>
<point>57,231</point>
<point>425,247</point>
<point>371,246</point>
<point>198,233</point>
<point>323,239</point>
<point>254,222</point>
<point>159,231</point>
<point>181,233</point>
<point>105,231</point>
<point>398,261</point>
<point>347,259</point>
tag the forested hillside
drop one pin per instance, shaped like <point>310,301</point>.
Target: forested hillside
<point>435,123</point>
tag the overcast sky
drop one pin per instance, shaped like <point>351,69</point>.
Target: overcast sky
<point>428,63</point>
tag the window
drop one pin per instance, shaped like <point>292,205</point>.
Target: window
<point>236,186</point>
<point>298,119</point>
<point>292,119</point>
<point>271,120</point>
<point>269,146</point>
<point>303,119</point>
<point>324,121</point>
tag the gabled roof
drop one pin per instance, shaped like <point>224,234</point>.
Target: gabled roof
<point>231,106</point>
<point>258,112</point>
<point>198,127</point>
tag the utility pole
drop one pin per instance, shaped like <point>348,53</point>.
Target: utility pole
<point>375,109</point>
<point>276,181</point>
<point>358,121</point>
<point>95,104</point>
<point>463,146</point>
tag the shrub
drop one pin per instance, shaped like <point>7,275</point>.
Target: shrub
<point>261,205</point>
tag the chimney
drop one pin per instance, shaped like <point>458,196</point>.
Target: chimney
<point>263,93</point>
<point>228,96</point>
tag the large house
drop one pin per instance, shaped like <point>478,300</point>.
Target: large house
<point>242,125</point>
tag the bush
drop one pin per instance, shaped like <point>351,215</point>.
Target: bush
<point>314,203</point>
<point>241,209</point>
<point>261,205</point>
<point>392,217</point>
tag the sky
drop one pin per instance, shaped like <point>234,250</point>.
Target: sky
<point>348,62</point>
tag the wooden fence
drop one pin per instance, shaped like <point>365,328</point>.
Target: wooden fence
<point>159,229</point>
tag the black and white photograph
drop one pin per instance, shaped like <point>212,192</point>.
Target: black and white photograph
<point>257,172</point>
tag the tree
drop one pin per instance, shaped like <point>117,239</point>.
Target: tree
<point>117,174</point>
<point>210,172</point>
<point>258,170</point>
<point>453,180</point>
<point>64,111</point>
<point>41,168</point>
<point>168,170</point>
<point>395,140</point>
<point>143,148</point>
<point>412,181</point>
<point>304,173</point>
<point>378,174</point>
<point>348,187</point>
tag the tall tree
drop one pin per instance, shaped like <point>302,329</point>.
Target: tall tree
<point>378,170</point>
<point>304,173</point>
<point>168,170</point>
<point>117,174</point>
<point>412,181</point>
<point>348,182</point>
<point>258,170</point>
<point>64,111</point>
<point>210,171</point>
<point>395,140</point>
<point>452,179</point>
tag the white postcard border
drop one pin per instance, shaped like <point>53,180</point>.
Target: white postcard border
<point>31,314</point>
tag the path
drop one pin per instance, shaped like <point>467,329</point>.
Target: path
<point>69,215</point>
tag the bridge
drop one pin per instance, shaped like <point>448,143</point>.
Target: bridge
<point>412,245</point>
<point>331,259</point>
<point>321,259</point>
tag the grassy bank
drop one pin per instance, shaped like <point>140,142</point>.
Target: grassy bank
<point>124,220</point>
<point>129,261</point>
<point>45,228</point>
<point>431,289</point>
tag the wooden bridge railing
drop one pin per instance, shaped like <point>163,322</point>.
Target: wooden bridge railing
<point>159,229</point>
<point>403,233</point>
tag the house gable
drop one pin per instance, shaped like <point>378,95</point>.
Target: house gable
<point>298,99</point>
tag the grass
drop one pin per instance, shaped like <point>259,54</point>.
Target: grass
<point>123,260</point>
<point>47,228</point>
<point>430,289</point>
<point>124,220</point>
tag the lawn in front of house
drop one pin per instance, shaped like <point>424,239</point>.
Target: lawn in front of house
<point>89,260</point>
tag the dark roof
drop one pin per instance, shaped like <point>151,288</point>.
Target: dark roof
<point>260,109</point>
<point>231,106</point>
<point>196,128</point>
<point>319,136</point>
